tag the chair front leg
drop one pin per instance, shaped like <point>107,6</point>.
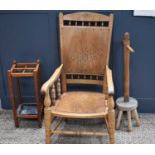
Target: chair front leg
<point>111,120</point>
<point>48,120</point>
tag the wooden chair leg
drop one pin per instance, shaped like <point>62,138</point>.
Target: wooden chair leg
<point>111,123</point>
<point>129,121</point>
<point>48,120</point>
<point>136,117</point>
<point>119,119</point>
<point>132,115</point>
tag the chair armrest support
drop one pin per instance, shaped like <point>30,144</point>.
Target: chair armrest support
<point>45,87</point>
<point>50,84</point>
<point>109,81</point>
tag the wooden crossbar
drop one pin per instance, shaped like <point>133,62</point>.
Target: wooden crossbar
<point>79,133</point>
<point>83,81</point>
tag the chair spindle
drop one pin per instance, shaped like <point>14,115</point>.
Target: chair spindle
<point>59,88</point>
<point>53,94</point>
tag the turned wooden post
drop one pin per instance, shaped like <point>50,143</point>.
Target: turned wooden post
<point>127,50</point>
<point>53,94</point>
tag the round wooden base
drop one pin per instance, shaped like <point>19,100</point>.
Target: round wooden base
<point>131,108</point>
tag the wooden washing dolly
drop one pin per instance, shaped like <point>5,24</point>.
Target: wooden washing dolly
<point>127,104</point>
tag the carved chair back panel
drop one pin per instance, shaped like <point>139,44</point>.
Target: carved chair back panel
<point>84,50</point>
<point>85,45</point>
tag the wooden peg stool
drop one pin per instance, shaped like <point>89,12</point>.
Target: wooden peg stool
<point>131,108</point>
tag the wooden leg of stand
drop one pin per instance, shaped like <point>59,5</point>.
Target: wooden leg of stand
<point>137,117</point>
<point>18,90</point>
<point>118,125</point>
<point>132,115</point>
<point>37,98</point>
<point>129,121</point>
<point>13,103</point>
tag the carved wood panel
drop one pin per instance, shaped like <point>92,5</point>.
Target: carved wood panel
<point>84,50</point>
<point>85,40</point>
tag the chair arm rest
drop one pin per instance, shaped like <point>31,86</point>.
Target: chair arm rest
<point>109,81</point>
<point>48,84</point>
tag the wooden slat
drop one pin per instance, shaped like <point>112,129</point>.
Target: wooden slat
<point>84,81</point>
<point>22,63</point>
<point>25,70</point>
<point>83,74</point>
<point>21,74</point>
<point>21,68</point>
<point>28,116</point>
<point>86,27</point>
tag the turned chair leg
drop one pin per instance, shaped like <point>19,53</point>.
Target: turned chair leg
<point>48,119</point>
<point>118,125</point>
<point>136,117</point>
<point>111,126</point>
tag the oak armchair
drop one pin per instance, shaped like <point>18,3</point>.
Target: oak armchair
<point>85,44</point>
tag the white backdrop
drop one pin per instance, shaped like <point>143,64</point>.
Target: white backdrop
<point>144,13</point>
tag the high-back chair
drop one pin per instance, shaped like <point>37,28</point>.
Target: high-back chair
<point>85,40</point>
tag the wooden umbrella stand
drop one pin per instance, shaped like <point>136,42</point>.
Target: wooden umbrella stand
<point>126,103</point>
<point>21,109</point>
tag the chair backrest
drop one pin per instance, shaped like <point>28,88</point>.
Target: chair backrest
<point>85,40</point>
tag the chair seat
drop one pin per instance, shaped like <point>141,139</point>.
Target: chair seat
<point>81,105</point>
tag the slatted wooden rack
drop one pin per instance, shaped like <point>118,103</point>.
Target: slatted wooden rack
<point>25,70</point>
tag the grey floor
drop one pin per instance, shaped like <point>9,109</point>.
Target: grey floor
<point>28,133</point>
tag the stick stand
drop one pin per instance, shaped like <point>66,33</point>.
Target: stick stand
<point>126,103</point>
